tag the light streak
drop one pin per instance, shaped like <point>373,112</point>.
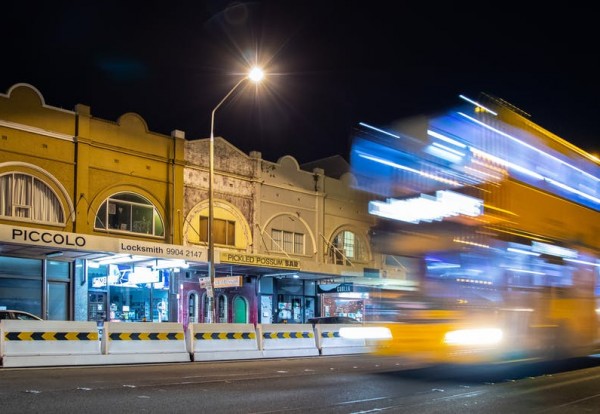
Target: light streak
<point>405,168</point>
<point>378,130</point>
<point>477,104</point>
<point>445,138</point>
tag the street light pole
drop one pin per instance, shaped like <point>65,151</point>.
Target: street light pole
<point>256,76</point>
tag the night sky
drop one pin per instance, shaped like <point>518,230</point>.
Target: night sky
<point>330,64</point>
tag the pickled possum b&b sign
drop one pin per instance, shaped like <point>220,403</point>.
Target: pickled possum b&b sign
<point>256,260</point>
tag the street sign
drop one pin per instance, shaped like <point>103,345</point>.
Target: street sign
<point>205,284</point>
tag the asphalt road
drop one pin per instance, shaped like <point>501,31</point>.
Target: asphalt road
<point>344,384</point>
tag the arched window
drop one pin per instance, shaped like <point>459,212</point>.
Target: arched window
<point>207,308</point>
<point>25,197</point>
<point>222,309</point>
<point>346,248</point>
<point>131,213</point>
<point>193,307</point>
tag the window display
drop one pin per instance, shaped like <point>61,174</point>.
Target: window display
<point>134,294</point>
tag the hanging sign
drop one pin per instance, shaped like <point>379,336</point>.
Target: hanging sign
<point>228,281</point>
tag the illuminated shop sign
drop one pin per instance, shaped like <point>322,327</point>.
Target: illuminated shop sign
<point>345,287</point>
<point>55,239</point>
<point>255,260</point>
<point>168,251</point>
<point>85,242</point>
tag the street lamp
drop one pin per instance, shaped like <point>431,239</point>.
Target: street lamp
<point>255,75</point>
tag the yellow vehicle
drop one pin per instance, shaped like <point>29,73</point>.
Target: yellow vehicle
<point>504,217</point>
<point>539,323</point>
<point>505,295</point>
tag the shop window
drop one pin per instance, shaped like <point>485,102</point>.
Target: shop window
<point>223,232</point>
<point>131,213</point>
<point>193,308</point>
<point>287,241</point>
<point>130,301</point>
<point>21,284</point>
<point>346,248</point>
<point>23,287</point>
<point>24,197</point>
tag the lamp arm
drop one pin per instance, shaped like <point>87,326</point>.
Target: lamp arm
<point>212,115</point>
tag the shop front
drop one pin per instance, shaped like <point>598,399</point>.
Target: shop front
<point>67,276</point>
<point>40,286</point>
<point>295,300</point>
<point>126,293</point>
<point>341,299</point>
<point>282,296</point>
<point>234,295</point>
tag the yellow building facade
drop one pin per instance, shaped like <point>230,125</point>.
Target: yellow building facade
<point>76,188</point>
<point>107,220</point>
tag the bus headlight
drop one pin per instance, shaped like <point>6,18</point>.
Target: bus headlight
<point>484,336</point>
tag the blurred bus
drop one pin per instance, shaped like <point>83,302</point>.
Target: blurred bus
<point>502,302</point>
<point>504,219</point>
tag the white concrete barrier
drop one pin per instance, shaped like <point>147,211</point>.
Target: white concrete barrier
<point>143,342</point>
<point>329,341</point>
<point>218,341</point>
<point>287,340</point>
<point>48,343</point>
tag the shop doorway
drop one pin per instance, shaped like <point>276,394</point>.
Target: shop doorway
<point>289,309</point>
<point>240,310</point>
<point>295,300</point>
<point>97,306</point>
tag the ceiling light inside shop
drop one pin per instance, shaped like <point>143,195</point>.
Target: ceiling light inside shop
<point>121,258</point>
<point>170,264</point>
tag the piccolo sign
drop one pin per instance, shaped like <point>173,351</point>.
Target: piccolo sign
<point>84,242</point>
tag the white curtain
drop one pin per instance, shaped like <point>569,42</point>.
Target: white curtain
<point>288,242</point>
<point>276,240</point>
<point>6,195</point>
<point>298,243</point>
<point>22,195</point>
<point>46,206</point>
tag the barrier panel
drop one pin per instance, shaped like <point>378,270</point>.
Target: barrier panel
<point>217,341</point>
<point>143,342</point>
<point>48,343</point>
<point>287,340</point>
<point>329,341</point>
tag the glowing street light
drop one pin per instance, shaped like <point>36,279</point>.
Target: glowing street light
<point>255,75</point>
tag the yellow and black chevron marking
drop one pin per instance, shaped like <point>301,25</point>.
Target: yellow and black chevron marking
<point>224,335</point>
<point>147,336</point>
<point>287,335</point>
<point>51,336</point>
<point>334,334</point>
